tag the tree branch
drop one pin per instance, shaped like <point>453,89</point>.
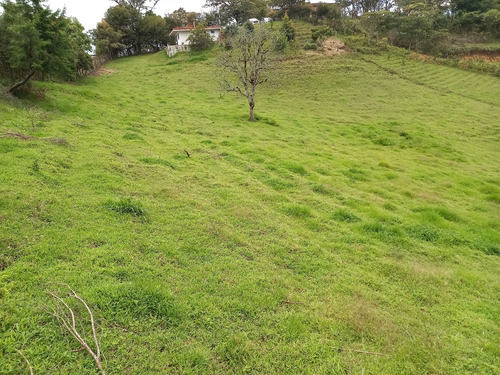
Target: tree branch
<point>69,323</point>
<point>26,360</point>
<point>22,82</point>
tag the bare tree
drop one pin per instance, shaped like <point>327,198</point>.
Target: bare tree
<point>247,63</point>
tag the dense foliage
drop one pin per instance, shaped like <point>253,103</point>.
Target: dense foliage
<point>34,40</point>
<point>130,28</point>
<point>200,39</point>
<point>239,10</point>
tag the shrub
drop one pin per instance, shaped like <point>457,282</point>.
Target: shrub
<point>321,33</point>
<point>280,43</point>
<point>310,46</point>
<point>199,39</point>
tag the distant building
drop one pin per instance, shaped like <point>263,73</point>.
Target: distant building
<point>181,34</point>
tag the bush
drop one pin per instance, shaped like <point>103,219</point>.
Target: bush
<point>321,33</point>
<point>363,44</point>
<point>280,43</point>
<point>310,46</point>
<point>199,39</point>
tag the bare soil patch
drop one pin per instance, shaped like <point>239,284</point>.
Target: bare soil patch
<point>103,71</point>
<point>330,47</point>
<point>485,56</point>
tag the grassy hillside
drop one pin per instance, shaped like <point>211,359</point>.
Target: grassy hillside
<point>360,212</point>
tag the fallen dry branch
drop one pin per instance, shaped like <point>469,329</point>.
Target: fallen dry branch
<point>54,140</point>
<point>68,319</point>
<point>17,135</point>
<point>26,360</point>
<point>361,351</point>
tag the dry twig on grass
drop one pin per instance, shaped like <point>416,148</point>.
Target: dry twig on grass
<point>54,140</point>
<point>26,360</point>
<point>66,316</point>
<point>17,135</point>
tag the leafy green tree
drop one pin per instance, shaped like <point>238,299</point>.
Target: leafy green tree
<point>239,10</point>
<point>153,31</point>
<point>141,6</point>
<point>81,45</point>
<point>127,21</point>
<point>474,5</point>
<point>107,40</point>
<point>36,40</point>
<point>491,21</point>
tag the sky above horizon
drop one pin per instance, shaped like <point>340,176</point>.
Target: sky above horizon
<point>90,12</point>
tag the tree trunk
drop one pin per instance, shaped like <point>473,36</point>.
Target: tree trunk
<point>23,82</point>
<point>251,102</point>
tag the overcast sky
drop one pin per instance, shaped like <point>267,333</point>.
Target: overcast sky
<point>89,12</point>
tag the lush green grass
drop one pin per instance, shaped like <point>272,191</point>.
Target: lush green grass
<point>368,193</point>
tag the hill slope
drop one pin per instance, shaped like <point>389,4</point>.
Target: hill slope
<point>360,212</point>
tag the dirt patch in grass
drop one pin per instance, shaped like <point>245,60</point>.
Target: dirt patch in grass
<point>333,46</point>
<point>484,56</point>
<point>103,72</point>
<point>330,47</point>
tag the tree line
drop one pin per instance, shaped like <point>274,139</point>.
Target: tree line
<point>38,42</point>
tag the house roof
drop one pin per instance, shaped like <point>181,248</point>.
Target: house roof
<point>192,27</point>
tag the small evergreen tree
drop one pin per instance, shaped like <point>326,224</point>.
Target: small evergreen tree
<point>38,40</point>
<point>287,28</point>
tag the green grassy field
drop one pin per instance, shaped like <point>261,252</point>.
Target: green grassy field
<point>361,212</point>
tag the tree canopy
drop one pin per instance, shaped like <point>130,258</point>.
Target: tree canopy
<point>130,28</point>
<point>239,10</point>
<point>36,40</point>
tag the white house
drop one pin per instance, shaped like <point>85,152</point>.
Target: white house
<point>182,34</point>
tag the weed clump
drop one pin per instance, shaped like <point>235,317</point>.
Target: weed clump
<point>345,216</point>
<point>310,46</point>
<point>424,232</point>
<point>126,206</point>
<point>297,211</point>
<point>130,302</point>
